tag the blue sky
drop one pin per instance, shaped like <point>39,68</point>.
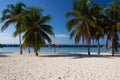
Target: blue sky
<point>56,8</point>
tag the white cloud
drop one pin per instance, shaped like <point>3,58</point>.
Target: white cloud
<point>7,38</point>
<point>61,36</point>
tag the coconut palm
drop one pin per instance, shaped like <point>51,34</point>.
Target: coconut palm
<point>37,32</point>
<point>113,14</point>
<point>10,15</point>
<point>79,24</point>
<point>97,31</point>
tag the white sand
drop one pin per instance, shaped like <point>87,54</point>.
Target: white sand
<point>59,67</point>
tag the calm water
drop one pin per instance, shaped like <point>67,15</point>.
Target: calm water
<point>72,49</point>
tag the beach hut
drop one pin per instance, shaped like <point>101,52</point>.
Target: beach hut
<point>107,46</point>
<point>55,46</point>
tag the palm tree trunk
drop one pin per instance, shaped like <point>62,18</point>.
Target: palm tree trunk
<point>88,48</point>
<point>98,47</point>
<point>29,49</point>
<point>36,52</point>
<point>54,50</point>
<point>20,44</point>
<point>112,47</point>
<point>83,40</point>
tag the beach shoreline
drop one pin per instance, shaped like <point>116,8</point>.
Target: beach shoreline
<point>68,66</point>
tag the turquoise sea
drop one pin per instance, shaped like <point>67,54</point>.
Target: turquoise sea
<point>47,49</point>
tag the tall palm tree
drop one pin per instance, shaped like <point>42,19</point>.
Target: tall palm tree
<point>113,15</point>
<point>37,32</point>
<point>79,24</point>
<point>10,15</point>
<point>97,32</point>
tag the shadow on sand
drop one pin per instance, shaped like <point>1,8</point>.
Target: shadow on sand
<point>77,55</point>
<point>4,54</point>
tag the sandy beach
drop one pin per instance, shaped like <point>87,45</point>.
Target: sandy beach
<point>14,66</point>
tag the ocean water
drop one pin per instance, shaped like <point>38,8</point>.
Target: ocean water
<point>65,49</point>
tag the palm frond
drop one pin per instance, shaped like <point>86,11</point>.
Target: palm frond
<point>11,7</point>
<point>44,19</point>
<point>7,23</point>
<point>47,29</point>
<point>46,37</point>
<point>71,23</point>
<point>73,33</point>
<point>69,14</point>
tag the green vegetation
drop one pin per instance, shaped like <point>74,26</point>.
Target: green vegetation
<point>90,21</point>
<point>30,22</point>
<point>10,16</point>
<point>79,25</point>
<point>113,27</point>
<point>37,29</point>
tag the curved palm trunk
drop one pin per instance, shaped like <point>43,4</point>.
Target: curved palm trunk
<point>112,47</point>
<point>98,47</point>
<point>88,48</point>
<point>20,44</point>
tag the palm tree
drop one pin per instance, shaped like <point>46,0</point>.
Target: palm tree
<point>10,15</point>
<point>113,14</point>
<point>37,30</point>
<point>97,31</point>
<point>79,24</point>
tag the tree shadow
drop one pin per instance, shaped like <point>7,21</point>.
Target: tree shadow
<point>80,55</point>
<point>97,56</point>
<point>4,54</point>
<point>61,55</point>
